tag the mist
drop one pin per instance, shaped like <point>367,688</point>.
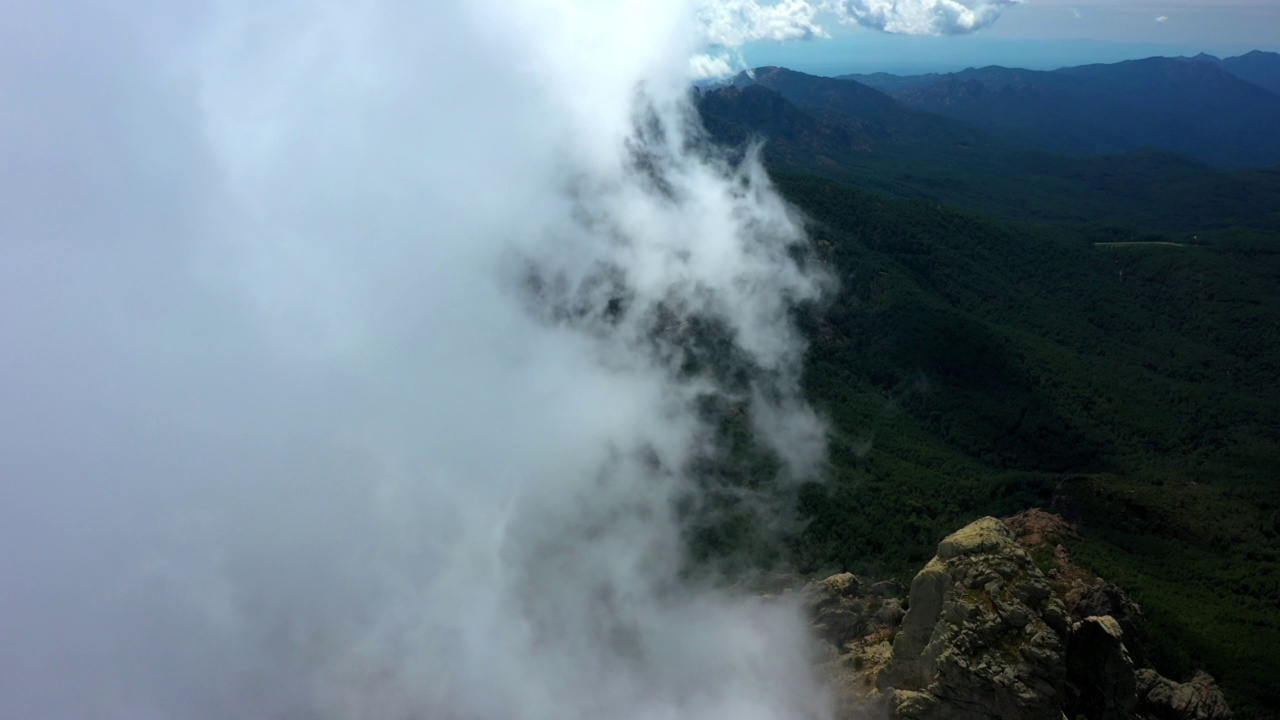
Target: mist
<point>356,363</point>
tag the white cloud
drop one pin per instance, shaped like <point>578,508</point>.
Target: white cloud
<point>727,24</point>
<point>1162,18</point>
<point>706,66</point>
<point>922,17</point>
<point>730,23</point>
<point>341,362</point>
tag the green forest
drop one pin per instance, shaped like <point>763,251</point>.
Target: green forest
<point>1125,377</point>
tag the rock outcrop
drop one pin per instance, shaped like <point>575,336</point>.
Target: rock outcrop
<point>1163,699</point>
<point>999,624</point>
<point>983,636</point>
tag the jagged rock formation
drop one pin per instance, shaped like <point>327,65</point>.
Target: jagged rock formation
<point>1000,624</point>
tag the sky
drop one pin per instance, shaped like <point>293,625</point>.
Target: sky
<point>1041,34</point>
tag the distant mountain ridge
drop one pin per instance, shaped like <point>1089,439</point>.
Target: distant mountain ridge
<point>1258,67</point>
<point>1224,112</point>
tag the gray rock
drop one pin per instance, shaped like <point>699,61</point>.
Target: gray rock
<point>839,613</point>
<point>1160,698</point>
<point>890,613</point>
<point>983,636</point>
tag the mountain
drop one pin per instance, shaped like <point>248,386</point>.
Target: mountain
<point>889,83</point>
<point>1053,112</point>
<point>851,100</point>
<point>735,115</point>
<point>866,120</point>
<point>1260,68</point>
<point>1198,107</point>
<point>848,131</point>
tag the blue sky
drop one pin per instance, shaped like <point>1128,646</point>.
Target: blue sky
<point>1042,34</point>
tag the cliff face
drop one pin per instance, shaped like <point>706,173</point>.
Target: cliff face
<point>986,634</point>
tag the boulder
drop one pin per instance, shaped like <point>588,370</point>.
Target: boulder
<point>1160,698</point>
<point>838,611</point>
<point>843,615</point>
<point>983,635</point>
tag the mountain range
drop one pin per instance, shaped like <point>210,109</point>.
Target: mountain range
<point>1224,112</point>
<point>849,131</point>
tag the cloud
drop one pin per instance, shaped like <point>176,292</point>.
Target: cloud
<point>728,24</point>
<point>731,23</point>
<point>705,66</point>
<point>1162,18</point>
<point>922,17</point>
<point>350,363</point>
